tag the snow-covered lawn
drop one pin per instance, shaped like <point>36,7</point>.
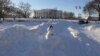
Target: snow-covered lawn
<point>32,38</point>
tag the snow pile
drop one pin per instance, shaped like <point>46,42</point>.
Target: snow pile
<point>37,26</point>
<point>73,32</point>
<point>38,40</point>
<point>18,40</point>
<point>93,32</point>
<point>50,32</point>
<point>89,28</point>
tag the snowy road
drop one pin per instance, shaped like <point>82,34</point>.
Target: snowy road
<point>33,39</point>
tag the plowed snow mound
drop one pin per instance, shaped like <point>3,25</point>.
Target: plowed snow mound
<point>93,31</point>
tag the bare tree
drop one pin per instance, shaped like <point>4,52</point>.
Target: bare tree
<point>65,14</point>
<point>68,15</point>
<point>24,9</point>
<point>92,7</point>
<point>4,7</point>
<point>71,15</point>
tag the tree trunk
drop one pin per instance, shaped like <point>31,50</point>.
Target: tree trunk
<point>99,16</point>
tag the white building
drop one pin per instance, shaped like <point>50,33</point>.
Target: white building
<point>48,13</point>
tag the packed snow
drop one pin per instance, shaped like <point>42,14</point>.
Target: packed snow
<point>36,38</point>
<point>73,32</point>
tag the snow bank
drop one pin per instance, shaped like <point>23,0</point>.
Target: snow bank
<point>93,32</point>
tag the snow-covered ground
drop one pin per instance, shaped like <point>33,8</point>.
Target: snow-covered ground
<point>32,38</point>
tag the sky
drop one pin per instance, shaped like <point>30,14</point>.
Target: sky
<point>64,5</point>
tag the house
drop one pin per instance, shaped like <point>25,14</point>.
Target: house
<point>48,13</point>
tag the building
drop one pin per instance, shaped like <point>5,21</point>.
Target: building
<point>48,13</point>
